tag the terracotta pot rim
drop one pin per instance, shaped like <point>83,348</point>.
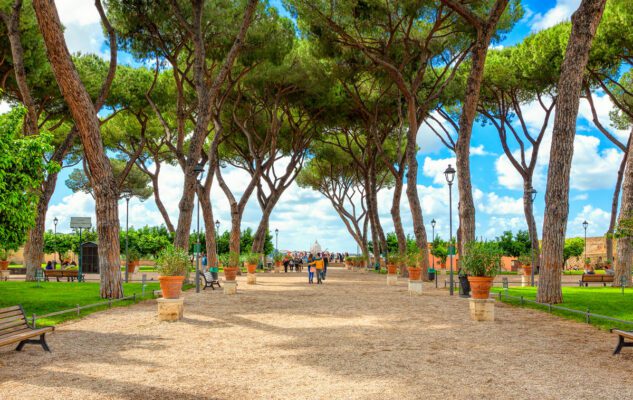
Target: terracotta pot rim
<point>171,277</point>
<point>481,278</point>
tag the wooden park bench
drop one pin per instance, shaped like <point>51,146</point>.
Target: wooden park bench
<point>14,328</point>
<point>209,281</point>
<point>594,278</point>
<point>69,274</point>
<point>621,343</point>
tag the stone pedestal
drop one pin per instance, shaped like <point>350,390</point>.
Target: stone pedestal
<point>278,269</point>
<point>170,309</point>
<point>230,287</point>
<point>251,279</point>
<point>392,280</point>
<point>415,287</point>
<point>482,310</point>
<point>4,275</point>
<point>525,280</point>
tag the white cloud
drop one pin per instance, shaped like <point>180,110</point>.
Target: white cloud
<point>80,12</point>
<point>434,168</point>
<point>480,151</point>
<point>580,197</point>
<point>492,203</point>
<point>603,106</point>
<point>561,12</point>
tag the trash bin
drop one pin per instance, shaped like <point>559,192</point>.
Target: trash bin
<point>431,274</point>
<point>464,286</point>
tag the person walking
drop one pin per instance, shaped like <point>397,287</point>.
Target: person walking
<point>319,264</point>
<point>325,263</point>
<point>311,268</point>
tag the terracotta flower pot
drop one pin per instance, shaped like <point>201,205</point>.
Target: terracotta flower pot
<point>527,270</point>
<point>4,265</point>
<point>392,269</point>
<point>230,273</point>
<point>415,273</point>
<point>171,286</point>
<point>443,265</point>
<point>251,268</point>
<point>132,266</point>
<point>480,286</point>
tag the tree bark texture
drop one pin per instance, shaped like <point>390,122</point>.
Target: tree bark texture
<point>528,210</point>
<point>614,206</point>
<point>584,24</point>
<point>87,122</point>
<point>625,244</point>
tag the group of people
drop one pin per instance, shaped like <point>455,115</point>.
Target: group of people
<point>317,266</point>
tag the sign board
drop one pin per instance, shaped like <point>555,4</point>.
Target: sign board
<point>451,250</point>
<point>80,222</point>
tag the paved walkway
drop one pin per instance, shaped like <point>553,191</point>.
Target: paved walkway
<point>352,338</point>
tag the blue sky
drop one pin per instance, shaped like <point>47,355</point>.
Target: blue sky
<point>304,216</point>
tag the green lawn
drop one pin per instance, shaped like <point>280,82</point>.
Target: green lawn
<point>57,296</point>
<point>607,301</point>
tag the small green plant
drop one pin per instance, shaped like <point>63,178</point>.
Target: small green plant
<point>134,255</point>
<point>414,258</point>
<point>349,259</point>
<point>481,259</point>
<point>587,261</point>
<point>224,259</point>
<point>278,257</point>
<point>252,258</point>
<point>4,254</point>
<point>172,261</point>
<point>397,259</point>
<point>233,259</point>
<point>525,259</point>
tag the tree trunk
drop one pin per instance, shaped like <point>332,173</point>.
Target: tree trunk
<point>584,24</point>
<point>87,122</point>
<point>397,222</point>
<point>209,226</point>
<point>161,206</point>
<point>614,207</point>
<point>529,219</point>
<point>259,240</point>
<point>625,244</point>
<point>412,187</point>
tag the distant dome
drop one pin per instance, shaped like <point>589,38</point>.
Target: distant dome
<point>316,247</point>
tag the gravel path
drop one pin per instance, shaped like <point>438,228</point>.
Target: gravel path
<point>351,338</point>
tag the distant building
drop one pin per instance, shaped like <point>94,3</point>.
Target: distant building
<point>316,248</point>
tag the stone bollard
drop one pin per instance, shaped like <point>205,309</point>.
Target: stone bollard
<point>525,280</point>
<point>392,280</point>
<point>482,309</point>
<point>230,287</point>
<point>170,309</point>
<point>415,287</point>
<point>251,279</point>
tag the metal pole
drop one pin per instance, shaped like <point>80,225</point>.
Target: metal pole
<point>532,241</point>
<point>127,247</point>
<point>55,237</point>
<point>198,249</point>
<point>450,235</point>
<point>585,243</point>
<point>436,274</point>
<point>81,250</point>
<point>276,241</point>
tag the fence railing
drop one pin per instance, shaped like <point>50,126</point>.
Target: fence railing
<point>78,308</point>
<point>550,307</point>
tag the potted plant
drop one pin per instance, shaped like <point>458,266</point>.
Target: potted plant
<point>133,260</point>
<point>231,262</point>
<point>526,262</point>
<point>278,258</point>
<point>349,262</point>
<point>251,261</point>
<point>481,262</point>
<point>4,259</point>
<point>172,265</point>
<point>413,262</point>
<point>362,261</point>
<point>587,262</point>
<point>394,260</point>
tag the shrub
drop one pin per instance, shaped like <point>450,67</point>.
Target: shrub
<point>278,257</point>
<point>172,261</point>
<point>481,259</point>
<point>252,258</point>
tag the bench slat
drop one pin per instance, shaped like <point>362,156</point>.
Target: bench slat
<point>13,331</point>
<point>26,335</point>
<point>9,309</point>
<point>626,334</point>
<point>10,314</point>
<point>12,323</point>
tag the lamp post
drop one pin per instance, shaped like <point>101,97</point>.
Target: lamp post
<point>199,172</point>
<point>449,173</point>
<point>127,195</point>
<point>433,222</point>
<point>532,197</point>
<point>55,221</point>
<point>585,225</point>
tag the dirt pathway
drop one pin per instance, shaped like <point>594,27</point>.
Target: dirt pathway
<point>352,338</point>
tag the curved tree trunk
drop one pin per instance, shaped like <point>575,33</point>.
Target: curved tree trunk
<point>34,248</point>
<point>85,116</point>
<point>209,227</point>
<point>397,222</point>
<point>529,218</point>
<point>625,243</point>
<point>584,24</point>
<point>614,207</point>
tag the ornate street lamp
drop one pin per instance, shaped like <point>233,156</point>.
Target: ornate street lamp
<point>199,172</point>
<point>449,173</point>
<point>55,221</point>
<point>585,225</point>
